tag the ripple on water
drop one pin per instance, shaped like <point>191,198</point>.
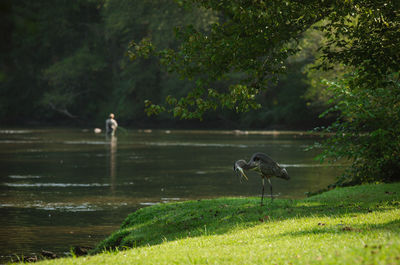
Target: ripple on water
<point>85,207</point>
<point>14,131</point>
<point>148,203</point>
<point>64,206</point>
<point>21,142</point>
<point>310,165</point>
<point>170,199</point>
<point>23,177</point>
<point>57,185</point>
<point>195,144</point>
<point>86,142</point>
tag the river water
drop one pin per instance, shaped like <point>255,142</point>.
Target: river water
<point>71,187</point>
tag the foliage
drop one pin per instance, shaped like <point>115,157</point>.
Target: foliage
<point>71,80</point>
<point>251,39</point>
<point>367,131</point>
<point>256,38</point>
<point>45,58</point>
<point>233,53</point>
<point>358,225</point>
<point>317,94</point>
<point>363,37</point>
<point>364,34</point>
<point>133,82</point>
<point>69,61</point>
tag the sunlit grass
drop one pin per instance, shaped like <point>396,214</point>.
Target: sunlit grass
<point>357,225</point>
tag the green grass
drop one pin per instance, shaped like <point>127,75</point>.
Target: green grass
<point>354,225</point>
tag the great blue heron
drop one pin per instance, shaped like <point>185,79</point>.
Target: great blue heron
<point>265,166</point>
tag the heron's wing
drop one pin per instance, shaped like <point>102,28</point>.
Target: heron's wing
<point>266,165</point>
<point>262,157</point>
<point>274,170</point>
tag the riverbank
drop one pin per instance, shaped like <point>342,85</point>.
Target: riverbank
<point>359,225</point>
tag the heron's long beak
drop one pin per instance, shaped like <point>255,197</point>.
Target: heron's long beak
<point>243,174</point>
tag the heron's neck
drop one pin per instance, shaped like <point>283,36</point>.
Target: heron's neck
<point>249,165</point>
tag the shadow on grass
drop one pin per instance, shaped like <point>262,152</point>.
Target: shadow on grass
<point>392,226</point>
<point>167,222</point>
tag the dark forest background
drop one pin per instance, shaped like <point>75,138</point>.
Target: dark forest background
<point>65,63</point>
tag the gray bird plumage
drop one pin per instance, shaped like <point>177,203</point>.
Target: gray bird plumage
<point>265,166</point>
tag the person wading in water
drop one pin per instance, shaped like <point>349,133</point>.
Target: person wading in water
<point>111,125</point>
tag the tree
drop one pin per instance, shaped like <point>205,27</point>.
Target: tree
<point>367,131</point>
<point>67,59</point>
<point>50,58</point>
<point>367,97</point>
<point>124,20</point>
<point>253,39</point>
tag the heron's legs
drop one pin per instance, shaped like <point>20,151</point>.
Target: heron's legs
<point>262,196</point>
<point>270,187</point>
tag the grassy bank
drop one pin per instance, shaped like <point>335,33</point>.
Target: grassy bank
<point>358,225</point>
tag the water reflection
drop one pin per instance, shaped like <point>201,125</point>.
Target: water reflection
<point>55,185</point>
<point>112,140</point>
